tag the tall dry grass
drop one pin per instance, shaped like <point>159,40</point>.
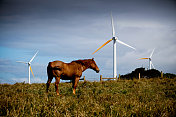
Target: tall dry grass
<point>145,97</point>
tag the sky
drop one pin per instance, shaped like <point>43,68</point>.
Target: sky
<point>68,30</point>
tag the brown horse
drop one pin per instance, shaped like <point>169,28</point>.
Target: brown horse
<point>69,71</point>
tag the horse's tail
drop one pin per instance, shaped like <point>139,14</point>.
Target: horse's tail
<point>50,76</point>
<point>49,70</point>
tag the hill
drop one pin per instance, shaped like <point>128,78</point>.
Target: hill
<point>152,73</point>
<point>145,97</point>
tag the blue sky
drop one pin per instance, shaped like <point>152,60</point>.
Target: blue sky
<point>67,30</point>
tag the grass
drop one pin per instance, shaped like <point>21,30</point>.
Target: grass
<point>145,97</point>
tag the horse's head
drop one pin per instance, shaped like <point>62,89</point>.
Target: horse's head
<point>94,66</point>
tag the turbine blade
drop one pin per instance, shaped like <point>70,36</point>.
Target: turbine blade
<point>22,62</point>
<point>125,44</point>
<point>31,71</point>
<point>152,65</point>
<point>102,46</point>
<point>33,57</point>
<point>112,23</point>
<point>143,58</point>
<point>152,53</point>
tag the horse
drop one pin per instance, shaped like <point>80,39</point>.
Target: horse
<point>68,71</point>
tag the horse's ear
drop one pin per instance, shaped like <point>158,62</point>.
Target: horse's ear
<point>92,58</point>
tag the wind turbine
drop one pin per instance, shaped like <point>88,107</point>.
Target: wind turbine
<point>114,39</point>
<point>29,66</point>
<point>150,60</point>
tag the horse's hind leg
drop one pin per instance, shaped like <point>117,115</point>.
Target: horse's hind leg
<point>48,83</point>
<point>56,84</point>
<point>74,84</point>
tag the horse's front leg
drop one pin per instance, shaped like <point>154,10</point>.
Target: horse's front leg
<point>56,84</point>
<point>74,84</point>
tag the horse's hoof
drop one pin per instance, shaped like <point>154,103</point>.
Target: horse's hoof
<point>74,91</point>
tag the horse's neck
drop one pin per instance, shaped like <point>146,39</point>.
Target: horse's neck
<point>84,63</point>
<point>84,68</point>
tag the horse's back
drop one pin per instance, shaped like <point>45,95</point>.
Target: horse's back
<point>55,64</point>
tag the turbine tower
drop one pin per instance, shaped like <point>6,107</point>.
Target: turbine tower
<point>115,39</point>
<point>29,66</point>
<point>150,60</point>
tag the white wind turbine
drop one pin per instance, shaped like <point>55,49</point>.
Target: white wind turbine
<point>150,60</point>
<point>29,66</point>
<point>115,39</point>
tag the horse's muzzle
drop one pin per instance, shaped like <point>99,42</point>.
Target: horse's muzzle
<point>97,71</point>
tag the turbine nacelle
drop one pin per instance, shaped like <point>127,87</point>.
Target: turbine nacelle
<point>115,38</point>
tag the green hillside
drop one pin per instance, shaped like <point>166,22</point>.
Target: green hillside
<point>145,97</point>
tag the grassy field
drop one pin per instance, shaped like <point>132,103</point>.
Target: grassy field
<point>145,97</point>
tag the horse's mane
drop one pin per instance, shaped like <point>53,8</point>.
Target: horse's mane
<point>84,62</point>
